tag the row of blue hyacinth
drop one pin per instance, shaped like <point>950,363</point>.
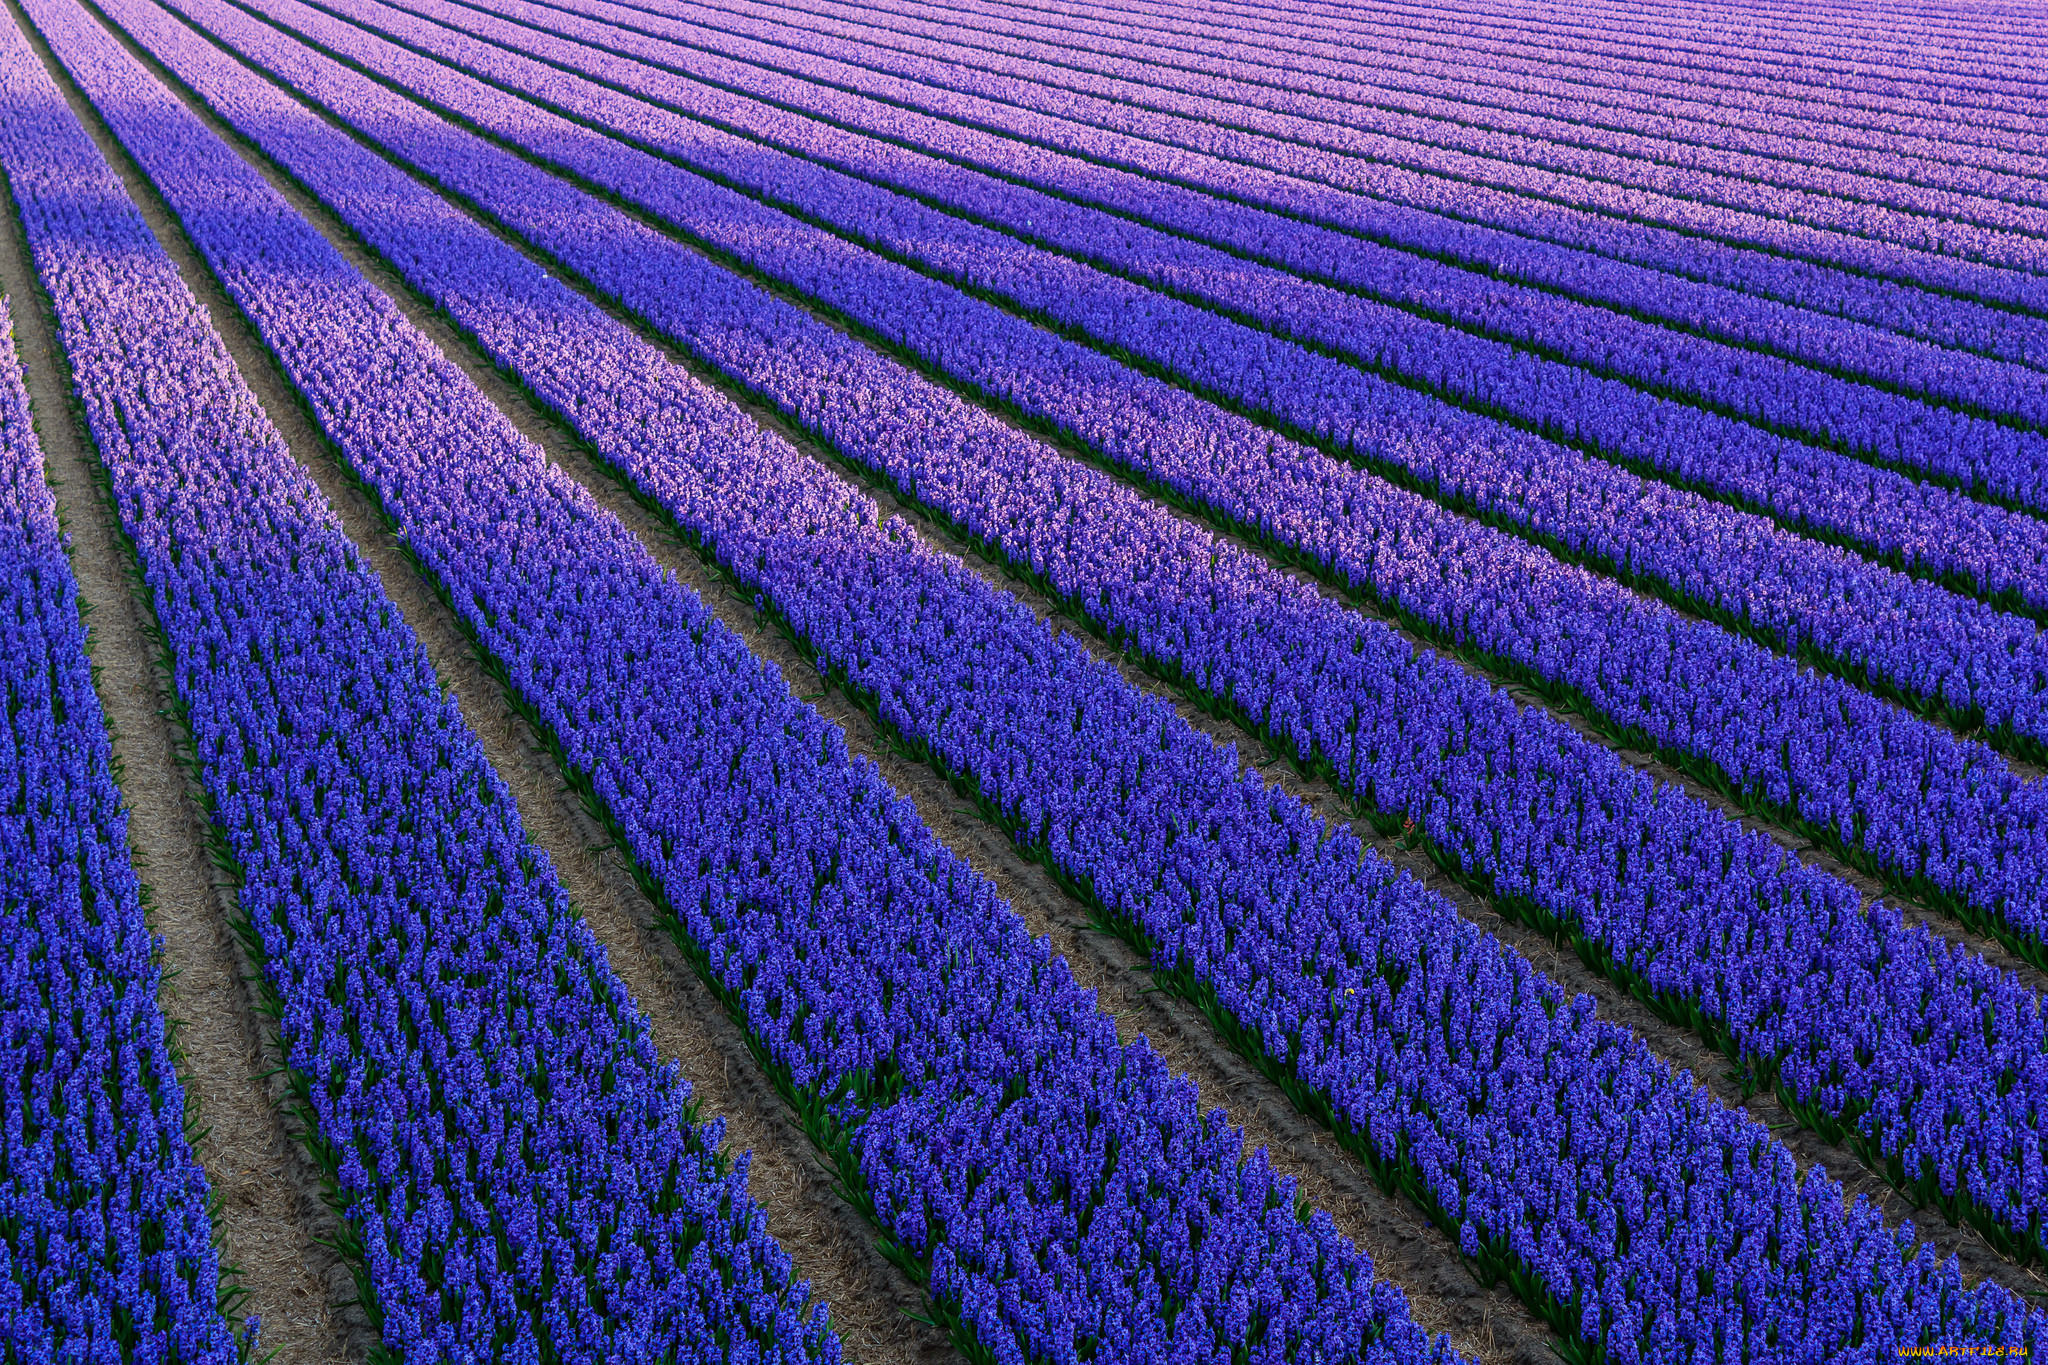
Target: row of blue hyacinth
<point>1553,1144</point>
<point>522,1177</point>
<point>1062,1192</point>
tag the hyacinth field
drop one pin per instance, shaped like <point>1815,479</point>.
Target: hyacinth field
<point>986,681</point>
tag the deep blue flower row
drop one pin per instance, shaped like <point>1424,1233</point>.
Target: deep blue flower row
<point>522,1174</point>
<point>1062,1188</point>
<point>106,1247</point>
<point>1336,190</point>
<point>1639,1212</point>
<point>1939,814</point>
<point>1931,530</point>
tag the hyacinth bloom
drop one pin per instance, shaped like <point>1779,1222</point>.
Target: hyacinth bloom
<point>1062,1194</point>
<point>1088,1200</point>
<point>521,1174</point>
<point>106,1249</point>
<point>1230,884</point>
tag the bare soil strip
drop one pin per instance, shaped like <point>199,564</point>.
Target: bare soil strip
<point>270,1212</point>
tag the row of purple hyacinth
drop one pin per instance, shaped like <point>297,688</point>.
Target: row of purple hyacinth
<point>520,1173</point>
<point>1404,77</point>
<point>1772,731</point>
<point>104,1234</point>
<point>1625,177</point>
<point>1632,50</point>
<point>1690,283</point>
<point>987,1107</point>
<point>1761,391</point>
<point>1539,819</point>
<point>1987,266</point>
<point>1345,975</point>
<point>1957,658</point>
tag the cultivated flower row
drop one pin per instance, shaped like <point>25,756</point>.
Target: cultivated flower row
<point>1400,80</point>
<point>1653,272</point>
<point>521,1176</point>
<point>1986,265</point>
<point>1064,1193</point>
<point>1682,545</point>
<point>1557,1149</point>
<point>105,1238</point>
<point>1842,765</point>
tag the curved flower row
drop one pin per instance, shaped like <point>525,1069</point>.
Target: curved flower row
<point>1997,267</point>
<point>521,1174</point>
<point>1962,657</point>
<point>1400,81</point>
<point>947,1056</point>
<point>1843,766</point>
<point>1656,90</point>
<point>106,1247</point>
<point>1631,1209</point>
<point>1637,177</point>
<point>1840,426</point>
